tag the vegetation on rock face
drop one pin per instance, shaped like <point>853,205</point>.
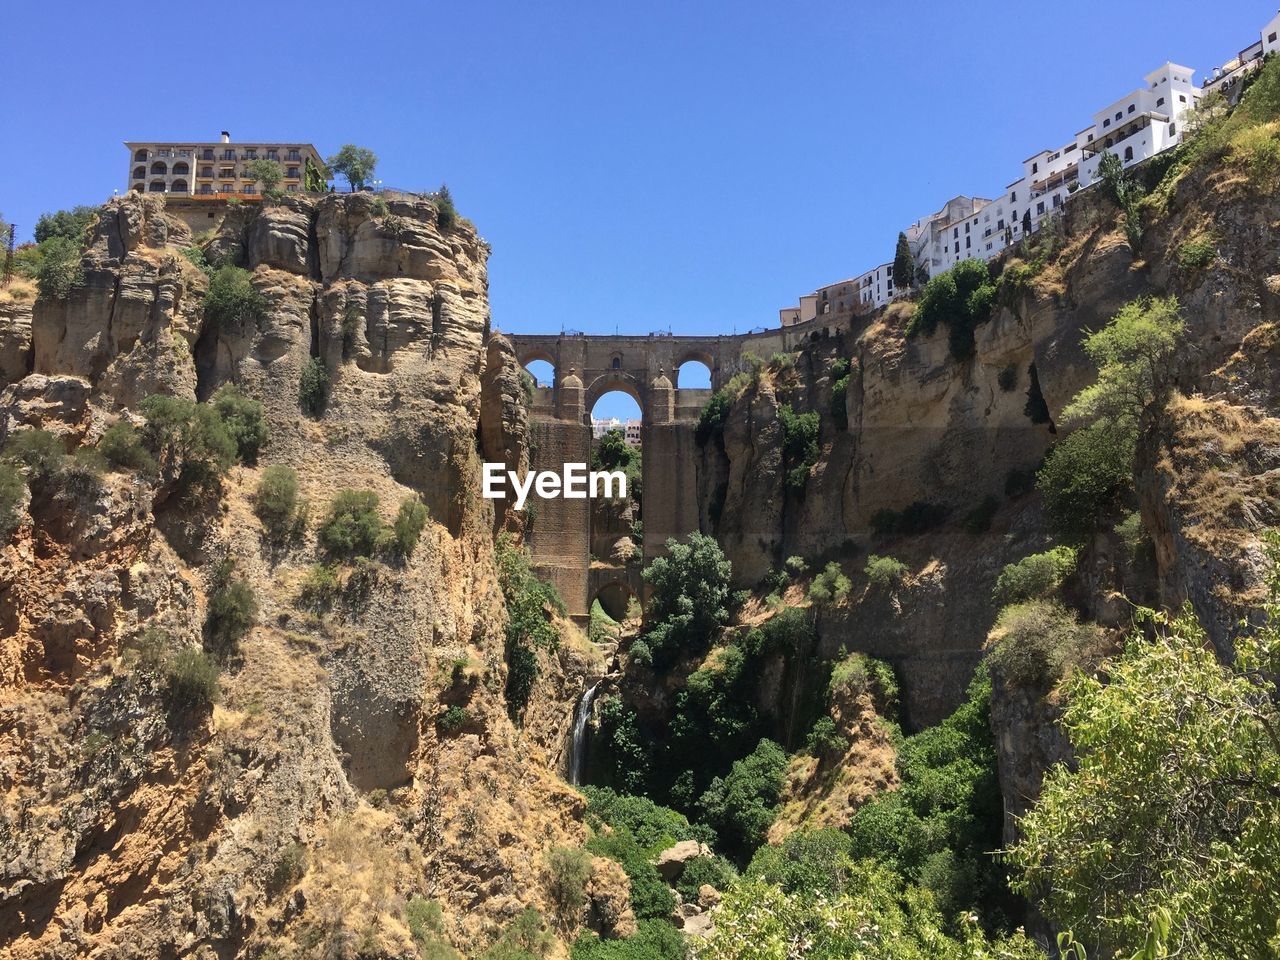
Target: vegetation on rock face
<point>653,940</point>
<point>531,603</point>
<point>904,265</point>
<point>411,520</point>
<point>61,269</point>
<point>885,573</point>
<point>121,446</point>
<point>799,444</point>
<point>232,302</point>
<point>1089,467</point>
<point>917,517</point>
<point>1194,861</point>
<point>244,420</point>
<point>12,489</point>
<point>276,500</point>
<point>711,419</point>
<point>1037,642</point>
<point>232,610</point>
<point>70,224</point>
<point>352,527</point>
<point>612,452</point>
<point>190,442</point>
<point>961,298</point>
<point>939,827</point>
<point>690,597</point>
<point>741,805</point>
<point>1036,576</point>
<point>313,387</point>
<point>446,212</point>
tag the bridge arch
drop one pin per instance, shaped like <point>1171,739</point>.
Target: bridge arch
<point>611,381</point>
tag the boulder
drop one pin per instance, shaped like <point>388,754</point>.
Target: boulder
<point>671,861</point>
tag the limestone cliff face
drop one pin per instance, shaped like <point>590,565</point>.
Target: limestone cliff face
<point>126,832</point>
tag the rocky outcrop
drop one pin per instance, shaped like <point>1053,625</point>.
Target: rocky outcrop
<point>16,306</point>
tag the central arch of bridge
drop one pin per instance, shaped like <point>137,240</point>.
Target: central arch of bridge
<point>646,368</point>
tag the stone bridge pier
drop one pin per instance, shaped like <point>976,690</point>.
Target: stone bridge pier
<point>561,536</point>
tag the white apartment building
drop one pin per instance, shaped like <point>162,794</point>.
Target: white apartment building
<point>1136,127</point>
<point>630,429</point>
<point>221,169</point>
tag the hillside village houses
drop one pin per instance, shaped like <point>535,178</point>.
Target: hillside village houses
<point>1136,127</point>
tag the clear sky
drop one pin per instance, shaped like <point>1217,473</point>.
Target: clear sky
<point>690,166</point>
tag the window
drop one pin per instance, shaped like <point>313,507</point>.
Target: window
<point>139,173</point>
<point>1013,195</point>
<point>227,172</point>
<point>1128,154</point>
<point>1040,208</point>
<point>294,155</point>
<point>1035,168</point>
<point>1173,129</point>
<point>966,228</point>
<point>1105,123</point>
<point>957,249</point>
<point>1271,38</point>
<point>206,154</point>
<point>206,171</point>
<point>999,224</point>
<point>250,189</point>
<point>1090,140</point>
<point>1119,115</point>
<point>228,154</point>
<point>1181,98</point>
<point>292,173</point>
<point>1160,102</point>
<point>955,234</point>
<point>273,154</point>
<point>968,244</point>
<point>292,188</point>
<point>1057,200</point>
<point>1132,107</point>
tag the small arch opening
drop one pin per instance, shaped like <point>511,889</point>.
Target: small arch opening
<point>159,168</point>
<point>139,173</point>
<point>181,169</point>
<point>157,186</point>
<point>542,371</point>
<point>614,600</point>
<point>178,186</point>
<point>693,375</point>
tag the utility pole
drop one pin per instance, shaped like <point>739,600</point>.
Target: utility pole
<point>8,254</point>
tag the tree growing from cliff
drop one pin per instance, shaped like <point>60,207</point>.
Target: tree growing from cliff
<point>904,265</point>
<point>269,173</point>
<point>961,298</point>
<point>690,599</point>
<point>446,212</point>
<point>68,224</point>
<point>1134,354</point>
<point>354,164</point>
<point>1167,823</point>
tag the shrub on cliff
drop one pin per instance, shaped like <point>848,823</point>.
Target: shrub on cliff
<point>446,212</point>
<point>741,806</point>
<point>1166,825</point>
<point>531,603</point>
<point>1036,643</point>
<point>351,527</point>
<point>961,298</point>
<point>244,419</point>
<point>191,680</point>
<point>121,446</point>
<point>232,302</point>
<point>830,586</point>
<point>1134,354</point>
<point>61,269</point>
<point>711,419</point>
<point>70,224</point>
<point>940,826</point>
<point>1036,576</point>
<point>12,489</point>
<point>568,870</point>
<point>189,440</point>
<point>232,610</point>
<point>313,387</point>
<point>411,520</point>
<point>653,940</point>
<point>276,500</point>
<point>40,451</point>
<point>799,444</point>
<point>885,573</point>
<point>354,164</point>
<point>690,597</point>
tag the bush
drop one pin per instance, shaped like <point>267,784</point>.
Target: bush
<point>232,303</point>
<point>1197,254</point>
<point>39,451</point>
<point>191,680</point>
<point>653,940</point>
<point>410,521</point>
<point>568,870</point>
<point>714,871</point>
<point>244,420</point>
<point>831,586</point>
<point>232,610</point>
<point>61,270</point>
<point>525,939</point>
<point>454,719</point>
<point>70,224</point>
<point>446,212</point>
<point>885,573</point>
<point>529,628</point>
<point>12,489</point>
<point>711,419</point>
<point>825,740</point>
<point>690,597</point>
<point>290,867</point>
<point>189,439</point>
<point>807,861</point>
<point>425,920</point>
<point>121,446</point>
<point>1084,472</point>
<point>856,674</point>
<point>352,527</point>
<point>1036,643</point>
<point>80,475</point>
<point>313,387</point>
<point>276,500</point>
<point>741,806</point>
<point>839,395</point>
<point>961,298</point>
<point>320,587</point>
<point>1037,576</point>
<point>799,444</point>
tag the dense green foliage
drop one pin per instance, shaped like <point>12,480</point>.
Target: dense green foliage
<point>1035,576</point>
<point>653,940</point>
<point>446,212</point>
<point>530,605</point>
<point>799,444</point>
<point>121,446</point>
<point>276,500</point>
<point>411,520</point>
<point>885,573</point>
<point>352,527</point>
<point>841,371</point>
<point>66,225</point>
<point>12,489</point>
<point>191,680</point>
<point>960,298</point>
<point>1127,192</point>
<point>830,586</point>
<point>190,441</point>
<point>526,938</point>
<point>855,674</point>
<point>1134,354</point>
<point>313,387</point>
<point>425,920</point>
<point>244,419</point>
<point>232,610</point>
<point>232,302</point>
<point>711,419</point>
<point>267,172</point>
<point>939,827</point>
<point>61,269</point>
<point>690,598</point>
<point>612,452</point>
<point>633,831</point>
<point>568,870</point>
<point>1038,642</point>
<point>741,805</point>
<point>354,164</point>
<point>904,265</point>
<point>1169,818</point>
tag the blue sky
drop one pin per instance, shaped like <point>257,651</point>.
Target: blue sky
<point>636,167</point>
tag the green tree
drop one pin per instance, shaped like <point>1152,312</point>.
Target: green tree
<point>530,603</point>
<point>612,452</point>
<point>1036,576</point>
<point>352,526</point>
<point>61,269</point>
<point>741,805</point>
<point>411,520</point>
<point>232,302</point>
<point>446,212</point>
<point>313,387</point>
<point>189,440</point>
<point>1035,644</point>
<point>244,419</point>
<point>269,173</point>
<point>904,265</point>
<point>1169,816</point>
<point>232,610</point>
<point>276,501</point>
<point>354,164</point>
<point>962,298</point>
<point>67,224</point>
<point>1134,354</point>
<point>690,597</point>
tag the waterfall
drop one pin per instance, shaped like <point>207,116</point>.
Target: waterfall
<point>577,760</point>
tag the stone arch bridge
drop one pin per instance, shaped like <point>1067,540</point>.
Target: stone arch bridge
<point>572,540</point>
